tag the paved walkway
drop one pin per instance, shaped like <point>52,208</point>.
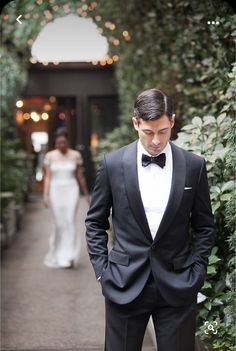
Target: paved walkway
<point>45,308</point>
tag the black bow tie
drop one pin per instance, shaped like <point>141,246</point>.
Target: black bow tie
<point>160,160</point>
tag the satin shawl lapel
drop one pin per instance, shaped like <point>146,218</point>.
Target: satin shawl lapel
<point>132,187</point>
<point>176,191</point>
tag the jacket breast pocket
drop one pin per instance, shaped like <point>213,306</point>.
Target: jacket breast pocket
<point>119,257</point>
<point>181,262</point>
<point>187,200</point>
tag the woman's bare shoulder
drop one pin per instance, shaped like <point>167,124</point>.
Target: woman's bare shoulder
<point>77,156</point>
<point>75,152</point>
<point>50,154</point>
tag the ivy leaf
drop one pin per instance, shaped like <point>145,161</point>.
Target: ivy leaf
<point>208,120</point>
<point>225,197</point>
<point>215,189</point>
<point>207,285</point>
<point>214,250</point>
<point>221,117</point>
<point>197,121</point>
<point>228,186</point>
<point>213,259</point>
<point>211,270</point>
<point>217,302</point>
<point>208,305</point>
<point>188,127</point>
<point>215,206</point>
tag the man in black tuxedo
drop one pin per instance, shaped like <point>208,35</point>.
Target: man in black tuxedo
<point>163,226</point>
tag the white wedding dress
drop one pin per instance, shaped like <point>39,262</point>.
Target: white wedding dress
<point>64,192</point>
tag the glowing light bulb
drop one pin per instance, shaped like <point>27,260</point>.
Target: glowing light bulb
<point>26,116</point>
<point>44,116</point>
<point>33,60</point>
<point>52,99</point>
<point>115,58</point>
<point>35,117</point>
<point>19,103</point>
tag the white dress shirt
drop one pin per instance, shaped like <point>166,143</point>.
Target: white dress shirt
<point>154,185</point>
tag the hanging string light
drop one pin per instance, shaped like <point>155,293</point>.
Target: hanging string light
<point>35,116</point>
<point>33,60</point>
<point>45,116</point>
<point>109,61</point>
<point>30,42</point>
<point>48,15</point>
<point>66,8</point>
<point>52,99</point>
<point>84,7</point>
<point>115,58</point>
<point>116,42</point>
<point>26,116</point>
<point>19,103</point>
<point>79,10</point>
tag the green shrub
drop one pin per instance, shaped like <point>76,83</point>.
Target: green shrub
<point>213,137</point>
<point>16,171</point>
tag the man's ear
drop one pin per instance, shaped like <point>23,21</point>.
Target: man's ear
<point>135,122</point>
<point>173,120</point>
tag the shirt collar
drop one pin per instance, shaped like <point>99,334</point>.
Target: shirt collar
<point>142,150</point>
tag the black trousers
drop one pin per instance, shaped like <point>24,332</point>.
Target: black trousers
<point>126,324</point>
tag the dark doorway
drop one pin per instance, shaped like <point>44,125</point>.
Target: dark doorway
<point>101,117</point>
<point>86,103</point>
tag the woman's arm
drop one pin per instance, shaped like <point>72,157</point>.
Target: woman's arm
<point>46,184</point>
<point>82,182</point>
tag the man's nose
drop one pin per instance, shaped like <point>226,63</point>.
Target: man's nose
<point>155,140</point>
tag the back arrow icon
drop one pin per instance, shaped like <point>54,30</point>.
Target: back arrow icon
<point>18,19</point>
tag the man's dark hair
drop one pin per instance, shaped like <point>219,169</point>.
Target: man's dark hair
<point>61,131</point>
<point>152,104</point>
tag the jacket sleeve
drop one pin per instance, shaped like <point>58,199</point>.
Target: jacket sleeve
<point>202,221</point>
<point>97,220</point>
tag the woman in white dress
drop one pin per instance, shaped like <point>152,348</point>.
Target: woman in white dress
<point>63,170</point>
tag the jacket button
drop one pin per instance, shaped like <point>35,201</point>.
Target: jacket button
<point>153,247</point>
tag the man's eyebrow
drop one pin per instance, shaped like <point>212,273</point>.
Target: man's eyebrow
<point>150,130</point>
<point>163,129</point>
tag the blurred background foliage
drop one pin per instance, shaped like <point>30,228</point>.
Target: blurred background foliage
<point>171,47</point>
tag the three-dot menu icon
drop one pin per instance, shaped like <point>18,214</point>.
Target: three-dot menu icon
<point>213,22</point>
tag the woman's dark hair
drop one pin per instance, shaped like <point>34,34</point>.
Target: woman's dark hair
<point>61,131</point>
<point>152,104</point>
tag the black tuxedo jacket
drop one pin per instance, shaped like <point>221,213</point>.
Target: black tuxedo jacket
<point>178,256</point>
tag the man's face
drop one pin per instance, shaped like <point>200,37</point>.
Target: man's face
<point>154,134</point>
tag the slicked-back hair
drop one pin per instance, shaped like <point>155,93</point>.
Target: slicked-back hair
<point>152,104</point>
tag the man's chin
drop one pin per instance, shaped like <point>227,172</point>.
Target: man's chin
<point>154,151</point>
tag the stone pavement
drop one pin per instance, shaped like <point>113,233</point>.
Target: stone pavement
<point>46,308</point>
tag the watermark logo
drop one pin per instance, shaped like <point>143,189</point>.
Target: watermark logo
<point>211,327</point>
